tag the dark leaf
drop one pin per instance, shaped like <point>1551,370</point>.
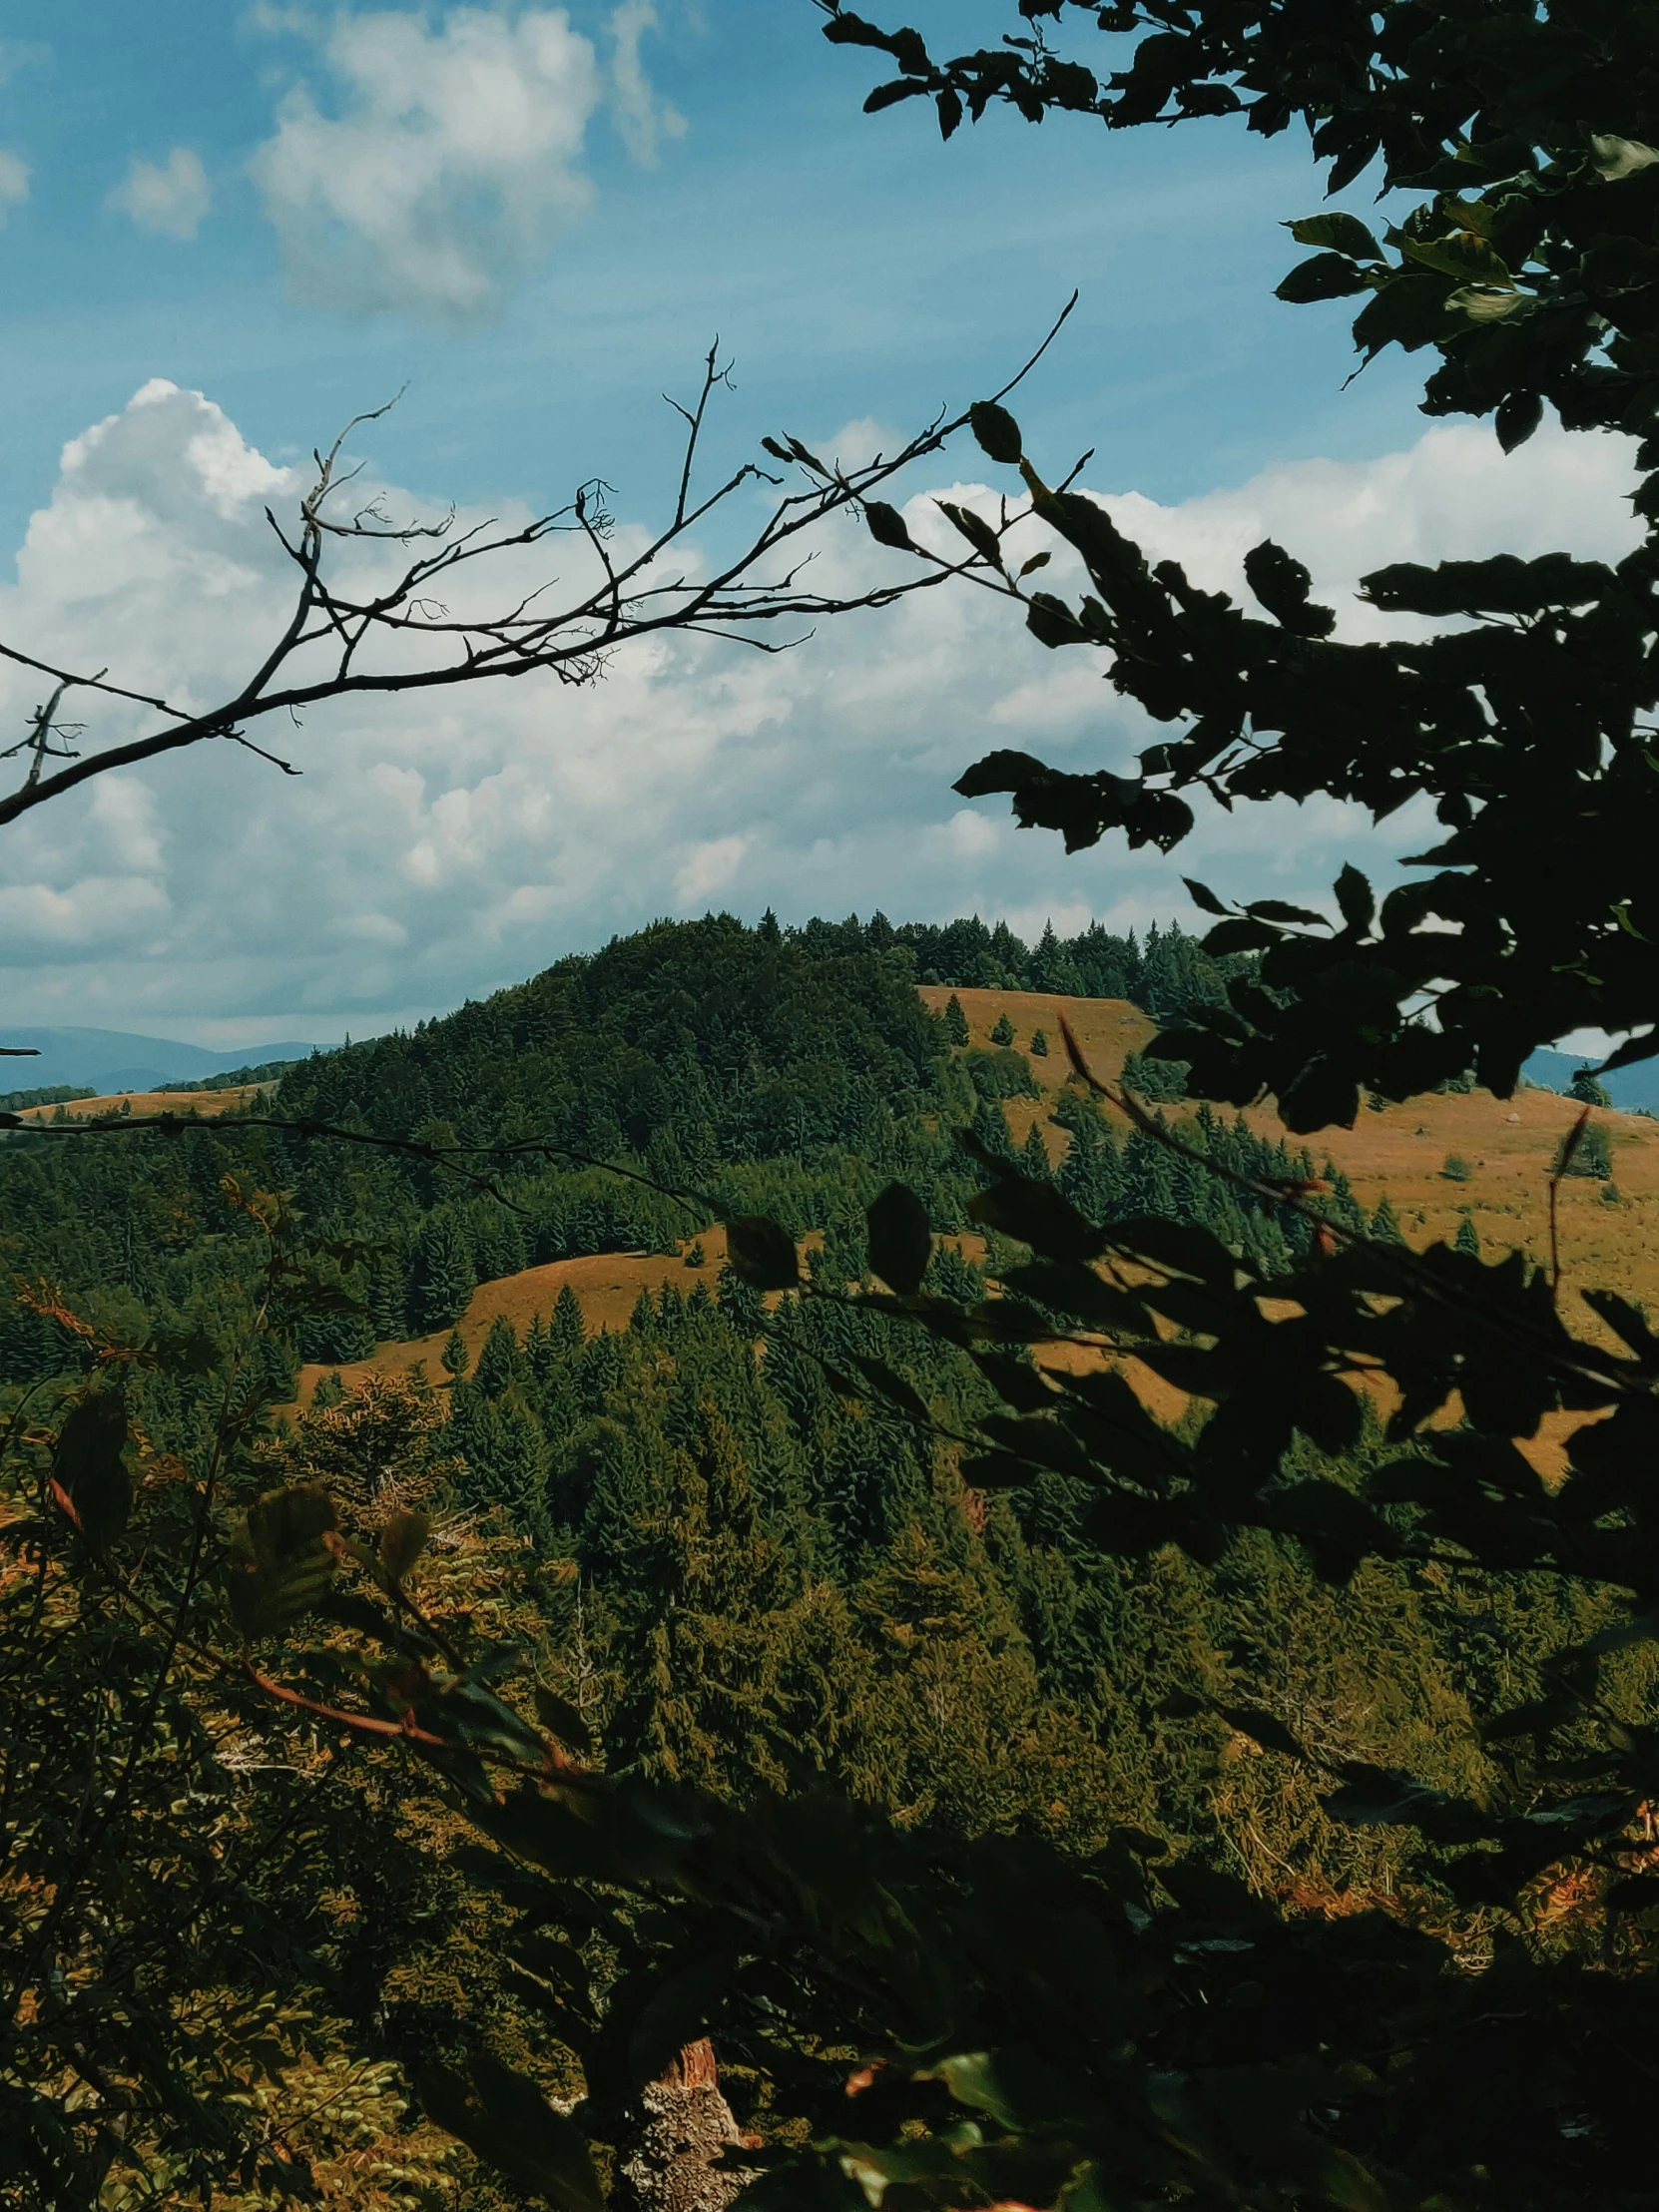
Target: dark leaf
<point>997,430</point>
<point>91,1470</point>
<point>887,526</point>
<point>900,1239</point>
<point>762,1252</point>
<point>402,1541</point>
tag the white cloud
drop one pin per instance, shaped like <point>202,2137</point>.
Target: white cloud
<point>640,117</point>
<point>14,182</point>
<point>18,54</point>
<point>170,197</point>
<point>440,844</point>
<point>449,169</point>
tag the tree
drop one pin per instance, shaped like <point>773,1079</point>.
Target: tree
<point>955,1021</point>
<point>1002,1032</point>
<point>1585,1088</point>
<point>1039,1047</point>
<point>455,1358</point>
<point>1456,1169</point>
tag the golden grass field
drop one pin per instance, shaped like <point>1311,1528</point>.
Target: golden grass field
<point>208,1104</point>
<point>1510,1145</point>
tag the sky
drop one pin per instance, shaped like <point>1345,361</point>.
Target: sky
<point>226,230</point>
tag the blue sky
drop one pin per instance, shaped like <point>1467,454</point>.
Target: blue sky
<point>162,173</point>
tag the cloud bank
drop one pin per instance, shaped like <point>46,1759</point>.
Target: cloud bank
<point>445,159</point>
<point>437,845</point>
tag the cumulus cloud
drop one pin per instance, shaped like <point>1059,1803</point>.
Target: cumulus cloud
<point>448,164</point>
<point>438,845</point>
<point>169,197</point>
<point>14,182</point>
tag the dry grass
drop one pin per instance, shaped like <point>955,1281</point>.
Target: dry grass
<point>205,1103</point>
<point>1511,1146</point>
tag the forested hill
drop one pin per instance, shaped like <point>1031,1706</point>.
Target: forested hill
<point>757,1042</point>
<point>790,1070</point>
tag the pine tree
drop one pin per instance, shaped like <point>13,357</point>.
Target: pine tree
<point>1385,1223</point>
<point>455,1358</point>
<point>1039,1044</point>
<point>498,1362</point>
<point>567,1334</point>
<point>955,1021</point>
<point>1468,1237</point>
<point>1033,1156</point>
<point>1003,1033</point>
<point>444,1278</point>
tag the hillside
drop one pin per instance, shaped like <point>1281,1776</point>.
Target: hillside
<point>113,1060</point>
<point>1606,1230</point>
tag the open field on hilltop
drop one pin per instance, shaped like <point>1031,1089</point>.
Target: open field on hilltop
<point>1509,1146</point>
<point>205,1103</point>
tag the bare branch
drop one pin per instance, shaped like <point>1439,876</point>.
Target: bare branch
<point>341,641</point>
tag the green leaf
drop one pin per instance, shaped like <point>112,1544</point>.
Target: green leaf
<point>997,431</point>
<point>503,2117</point>
<point>402,1541</point>
<point>1409,312</point>
<point>975,530</point>
<point>1518,415</point>
<point>561,1719</point>
<point>90,1471</point>
<point>1353,899</point>
<point>894,1387</point>
<point>282,1558</point>
<point>1203,898</point>
<point>762,1252</point>
<point>887,526</point>
<point>1345,234</point>
<point>1321,276</point>
<point>900,1239</point>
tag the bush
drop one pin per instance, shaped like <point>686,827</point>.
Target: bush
<point>1456,1169</point>
<point>1593,1156</point>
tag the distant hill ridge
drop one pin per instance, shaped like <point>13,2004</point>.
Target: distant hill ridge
<point>104,1060</point>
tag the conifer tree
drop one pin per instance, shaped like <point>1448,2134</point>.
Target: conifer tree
<point>454,1357</point>
<point>1039,1044</point>
<point>955,1021</point>
<point>1385,1223</point>
<point>498,1361</point>
<point>1004,1032</point>
<point>1468,1237</point>
<point>567,1335</point>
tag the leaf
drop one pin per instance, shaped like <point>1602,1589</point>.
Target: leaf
<point>1518,415</point>
<point>900,1239</point>
<point>888,95</point>
<point>1345,234</point>
<point>1627,1054</point>
<point>561,1719</point>
<point>762,1252</point>
<point>975,530</point>
<point>90,1469</point>
<point>997,431</point>
<point>1322,277</point>
<point>402,1541</point>
<point>894,1387</point>
<point>1353,897</point>
<point>503,2117</point>
<point>1409,312</point>
<point>887,526</point>
<point>282,1558</point>
<point>1261,1728</point>
<point>1037,1214</point>
<point>1203,898</point>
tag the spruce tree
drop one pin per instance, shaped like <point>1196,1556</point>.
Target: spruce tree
<point>567,1335</point>
<point>1004,1032</point>
<point>498,1361</point>
<point>955,1021</point>
<point>1468,1237</point>
<point>455,1358</point>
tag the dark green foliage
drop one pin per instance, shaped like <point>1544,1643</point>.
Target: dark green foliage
<point>955,1021</point>
<point>1038,1046</point>
<point>1468,1237</point>
<point>1588,1091</point>
<point>1002,1031</point>
<point>1455,1168</point>
<point>1592,1155</point>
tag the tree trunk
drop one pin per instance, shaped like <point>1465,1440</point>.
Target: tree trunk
<point>672,2136</point>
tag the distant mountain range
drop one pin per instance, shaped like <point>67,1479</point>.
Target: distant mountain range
<point>112,1060</point>
<point>1629,1088</point>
